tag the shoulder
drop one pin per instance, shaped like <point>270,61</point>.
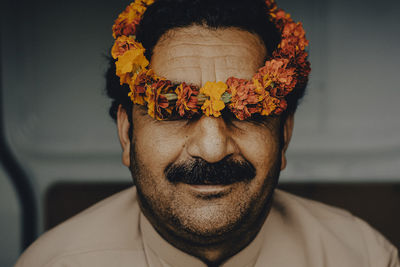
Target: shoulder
<point>335,230</point>
<point>110,227</point>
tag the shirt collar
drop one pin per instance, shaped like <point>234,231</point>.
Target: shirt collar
<point>159,250</point>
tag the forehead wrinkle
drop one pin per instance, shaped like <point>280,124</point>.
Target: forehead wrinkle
<point>235,73</point>
<point>209,51</point>
<point>186,55</point>
<point>188,61</point>
<point>180,68</point>
<point>208,69</point>
<point>210,47</point>
<point>203,34</point>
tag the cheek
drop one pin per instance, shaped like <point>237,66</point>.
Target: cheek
<point>157,145</point>
<point>260,147</point>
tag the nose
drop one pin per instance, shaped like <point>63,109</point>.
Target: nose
<point>210,139</point>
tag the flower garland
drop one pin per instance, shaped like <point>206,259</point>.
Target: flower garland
<point>264,94</point>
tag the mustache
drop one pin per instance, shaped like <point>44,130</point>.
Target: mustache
<point>200,172</point>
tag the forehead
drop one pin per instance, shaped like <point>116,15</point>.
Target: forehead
<point>197,54</point>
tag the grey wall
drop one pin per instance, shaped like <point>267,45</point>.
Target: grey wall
<point>10,233</point>
<point>347,128</point>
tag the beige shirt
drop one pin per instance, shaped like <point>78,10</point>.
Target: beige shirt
<point>297,232</point>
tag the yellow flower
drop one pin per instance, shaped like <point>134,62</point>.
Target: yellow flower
<point>148,2</point>
<point>137,9</point>
<point>127,21</point>
<point>150,99</point>
<point>269,104</point>
<point>213,105</point>
<point>136,93</point>
<point>130,63</point>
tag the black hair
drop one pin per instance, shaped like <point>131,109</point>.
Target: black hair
<point>164,15</point>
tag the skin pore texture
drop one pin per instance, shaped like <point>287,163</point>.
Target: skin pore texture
<point>210,222</point>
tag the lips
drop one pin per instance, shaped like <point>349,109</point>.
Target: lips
<point>209,191</point>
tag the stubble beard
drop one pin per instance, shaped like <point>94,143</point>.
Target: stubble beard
<point>210,226</point>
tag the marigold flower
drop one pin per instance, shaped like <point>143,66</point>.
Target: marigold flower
<point>243,97</point>
<point>147,2</point>
<point>186,103</point>
<point>123,44</point>
<point>138,86</point>
<point>157,104</point>
<point>277,72</point>
<point>264,94</point>
<point>281,15</point>
<point>281,106</point>
<point>294,35</point>
<point>125,27</point>
<point>127,21</point>
<point>268,104</point>
<point>129,64</point>
<point>213,105</point>
<point>271,4</point>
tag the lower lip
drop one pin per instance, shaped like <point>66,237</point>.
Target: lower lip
<point>210,190</point>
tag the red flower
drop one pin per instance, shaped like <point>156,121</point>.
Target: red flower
<point>243,97</point>
<point>128,20</point>
<point>271,4</point>
<point>186,103</point>
<point>157,104</point>
<point>267,103</point>
<point>281,106</point>
<point>125,27</point>
<point>138,86</point>
<point>277,76</point>
<point>123,44</point>
<point>293,34</point>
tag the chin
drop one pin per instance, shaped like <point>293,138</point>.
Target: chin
<point>209,221</point>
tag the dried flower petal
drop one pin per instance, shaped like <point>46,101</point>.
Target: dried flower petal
<point>157,104</point>
<point>124,44</point>
<point>186,105</point>
<point>129,64</point>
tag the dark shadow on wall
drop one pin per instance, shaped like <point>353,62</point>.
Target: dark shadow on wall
<point>19,180</point>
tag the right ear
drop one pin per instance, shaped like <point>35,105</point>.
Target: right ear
<point>123,133</point>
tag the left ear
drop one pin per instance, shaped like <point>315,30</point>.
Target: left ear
<point>287,135</point>
<point>123,133</point>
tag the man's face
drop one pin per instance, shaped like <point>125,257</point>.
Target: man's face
<point>206,178</point>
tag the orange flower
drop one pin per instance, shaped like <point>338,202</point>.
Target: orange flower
<point>147,2</point>
<point>294,35</point>
<point>138,86</point>
<point>187,100</point>
<point>213,105</point>
<point>271,4</point>
<point>157,104</point>
<point>123,44</point>
<point>129,64</point>
<point>281,106</point>
<point>127,21</point>
<point>264,94</point>
<point>267,104</point>
<point>125,27</point>
<point>281,15</point>
<point>243,97</point>
<point>303,68</point>
<point>278,75</point>
<point>280,18</point>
